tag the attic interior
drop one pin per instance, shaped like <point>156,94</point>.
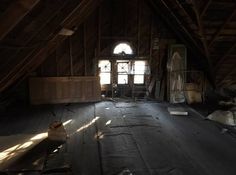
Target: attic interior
<point>117,87</point>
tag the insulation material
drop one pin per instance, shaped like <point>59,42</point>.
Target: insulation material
<point>224,117</point>
<point>57,132</point>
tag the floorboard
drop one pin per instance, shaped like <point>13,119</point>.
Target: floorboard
<point>111,138</point>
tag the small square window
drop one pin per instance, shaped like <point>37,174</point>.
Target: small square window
<point>105,71</point>
<point>122,79</point>
<point>105,78</point>
<point>138,79</point>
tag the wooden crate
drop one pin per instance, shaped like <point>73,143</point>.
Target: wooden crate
<point>52,90</point>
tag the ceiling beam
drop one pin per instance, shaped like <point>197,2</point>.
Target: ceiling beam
<point>205,8</point>
<point>33,60</point>
<point>14,14</point>
<point>174,22</point>
<point>190,19</point>
<point>221,28</point>
<point>222,59</point>
<point>43,20</point>
<point>201,29</point>
<point>193,44</point>
<point>231,72</point>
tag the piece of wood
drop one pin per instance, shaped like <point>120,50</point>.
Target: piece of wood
<point>85,48</point>
<point>53,90</point>
<point>138,27</point>
<point>71,58</point>
<point>14,14</point>
<point>205,8</point>
<point>177,111</point>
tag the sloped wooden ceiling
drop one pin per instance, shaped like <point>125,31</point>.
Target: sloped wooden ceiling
<point>208,28</point>
<point>26,45</point>
<point>210,25</point>
<point>114,21</point>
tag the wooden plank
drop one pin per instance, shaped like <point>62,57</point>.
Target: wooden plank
<point>14,14</point>
<point>71,57</point>
<point>51,90</point>
<point>85,48</point>
<point>138,27</point>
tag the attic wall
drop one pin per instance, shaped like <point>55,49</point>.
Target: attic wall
<point>115,21</point>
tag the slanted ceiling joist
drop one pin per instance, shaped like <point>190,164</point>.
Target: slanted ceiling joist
<point>222,59</point>
<point>222,27</point>
<point>170,18</point>
<point>231,72</point>
<point>32,61</point>
<point>176,24</point>
<point>14,14</point>
<point>205,8</point>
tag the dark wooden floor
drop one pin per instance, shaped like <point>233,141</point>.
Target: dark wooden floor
<point>111,138</point>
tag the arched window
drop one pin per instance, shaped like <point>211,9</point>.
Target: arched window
<point>123,49</point>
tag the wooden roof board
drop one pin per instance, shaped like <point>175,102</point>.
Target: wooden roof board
<point>214,17</point>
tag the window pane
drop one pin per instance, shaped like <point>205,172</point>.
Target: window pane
<point>123,48</point>
<point>123,67</point>
<point>105,65</point>
<point>105,78</point>
<point>122,79</point>
<point>139,67</point>
<point>138,79</point>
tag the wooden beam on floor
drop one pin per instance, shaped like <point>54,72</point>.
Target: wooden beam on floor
<point>14,14</point>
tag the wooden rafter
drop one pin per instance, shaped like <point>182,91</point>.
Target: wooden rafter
<point>201,32</point>
<point>190,19</point>
<point>222,59</point>
<point>221,28</point>
<point>85,48</point>
<point>231,72</point>
<point>36,32</point>
<point>74,19</point>
<point>14,14</point>
<point>177,26</point>
<point>205,8</point>
<point>138,26</point>
<point>178,23</point>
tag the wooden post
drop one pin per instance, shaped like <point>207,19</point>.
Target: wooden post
<point>85,50</point>
<point>99,32</point>
<point>138,27</point>
<point>71,56</point>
